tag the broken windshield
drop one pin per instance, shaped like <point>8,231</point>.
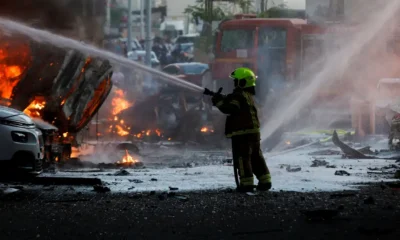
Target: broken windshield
<point>237,39</point>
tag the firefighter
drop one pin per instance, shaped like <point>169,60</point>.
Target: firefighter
<point>243,127</point>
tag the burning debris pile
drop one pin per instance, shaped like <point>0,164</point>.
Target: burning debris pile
<point>163,117</point>
<point>128,160</point>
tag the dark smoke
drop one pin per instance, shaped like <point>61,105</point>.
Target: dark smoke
<point>48,14</point>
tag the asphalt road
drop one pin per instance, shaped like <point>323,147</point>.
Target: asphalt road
<point>69,213</point>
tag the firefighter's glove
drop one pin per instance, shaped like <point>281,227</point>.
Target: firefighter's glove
<point>217,98</point>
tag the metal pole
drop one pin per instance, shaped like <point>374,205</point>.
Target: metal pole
<point>108,16</point>
<point>262,6</point>
<point>142,19</point>
<point>129,40</point>
<point>148,34</point>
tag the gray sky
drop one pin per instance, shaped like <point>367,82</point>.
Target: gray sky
<point>297,4</point>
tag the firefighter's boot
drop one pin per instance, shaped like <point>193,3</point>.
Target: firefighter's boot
<point>264,183</point>
<point>264,186</point>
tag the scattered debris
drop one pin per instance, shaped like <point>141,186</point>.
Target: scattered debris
<point>342,173</point>
<point>319,163</point>
<point>8,191</point>
<point>227,161</point>
<point>293,168</point>
<point>135,180</point>
<point>101,188</point>
<point>195,173</point>
<point>122,172</point>
<point>182,198</point>
<point>366,150</point>
<point>347,150</point>
<point>363,153</point>
<point>325,152</point>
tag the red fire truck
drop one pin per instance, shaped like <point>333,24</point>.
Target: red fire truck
<point>278,47</point>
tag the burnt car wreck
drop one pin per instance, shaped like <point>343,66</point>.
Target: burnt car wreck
<point>60,86</point>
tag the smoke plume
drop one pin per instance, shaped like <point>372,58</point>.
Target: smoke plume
<point>49,14</point>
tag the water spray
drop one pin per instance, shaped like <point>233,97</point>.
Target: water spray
<point>42,36</point>
<point>336,65</point>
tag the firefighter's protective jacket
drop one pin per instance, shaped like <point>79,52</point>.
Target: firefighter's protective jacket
<point>242,113</point>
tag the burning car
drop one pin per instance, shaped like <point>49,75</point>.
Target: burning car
<point>60,86</point>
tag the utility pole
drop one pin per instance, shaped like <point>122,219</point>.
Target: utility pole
<point>129,42</point>
<point>148,33</point>
<point>262,5</point>
<point>142,19</point>
<point>108,16</point>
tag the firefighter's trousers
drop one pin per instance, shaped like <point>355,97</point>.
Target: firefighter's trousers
<point>248,156</point>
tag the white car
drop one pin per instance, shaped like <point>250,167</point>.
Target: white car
<point>21,143</point>
<point>140,56</point>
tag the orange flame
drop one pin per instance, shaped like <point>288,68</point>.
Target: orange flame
<point>74,152</point>
<point>121,131</point>
<point>10,72</point>
<point>7,79</point>
<point>119,102</point>
<point>33,110</point>
<point>206,129</point>
<point>127,158</point>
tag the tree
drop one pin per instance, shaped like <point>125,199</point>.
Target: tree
<point>282,11</point>
<point>198,11</point>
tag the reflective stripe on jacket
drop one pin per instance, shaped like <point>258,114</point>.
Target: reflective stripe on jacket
<point>242,113</point>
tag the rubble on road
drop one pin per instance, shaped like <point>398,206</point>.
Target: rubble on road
<point>101,188</point>
<point>293,168</point>
<point>342,173</point>
<point>135,180</point>
<point>8,190</point>
<point>325,152</point>
<point>319,163</point>
<point>122,172</point>
<point>364,153</point>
